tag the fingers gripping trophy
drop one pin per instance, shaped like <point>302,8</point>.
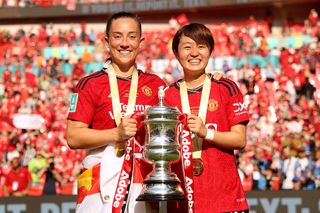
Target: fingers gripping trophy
<point>161,148</point>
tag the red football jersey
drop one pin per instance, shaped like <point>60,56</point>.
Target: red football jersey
<point>91,101</point>
<point>17,181</point>
<point>218,188</point>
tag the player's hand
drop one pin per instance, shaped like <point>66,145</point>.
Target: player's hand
<point>217,75</point>
<point>197,126</point>
<point>127,128</point>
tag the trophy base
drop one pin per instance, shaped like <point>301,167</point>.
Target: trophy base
<point>162,191</point>
<point>158,197</point>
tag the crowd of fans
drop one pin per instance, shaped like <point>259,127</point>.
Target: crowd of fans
<point>283,146</point>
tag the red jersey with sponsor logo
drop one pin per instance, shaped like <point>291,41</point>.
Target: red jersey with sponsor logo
<point>91,101</point>
<point>218,188</point>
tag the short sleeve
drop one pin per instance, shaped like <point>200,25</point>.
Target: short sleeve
<point>237,110</point>
<point>81,105</point>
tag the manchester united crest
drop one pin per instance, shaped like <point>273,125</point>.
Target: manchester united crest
<point>147,90</point>
<point>212,105</point>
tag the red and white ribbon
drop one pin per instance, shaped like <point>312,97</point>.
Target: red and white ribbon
<point>186,155</point>
<point>122,188</point>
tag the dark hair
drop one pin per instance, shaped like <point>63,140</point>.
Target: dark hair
<point>197,32</point>
<point>122,15</point>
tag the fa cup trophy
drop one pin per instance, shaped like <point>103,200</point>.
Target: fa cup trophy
<point>161,148</point>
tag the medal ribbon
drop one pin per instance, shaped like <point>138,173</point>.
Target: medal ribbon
<point>202,110</point>
<point>123,185</point>
<point>187,162</point>
<point>116,106</point>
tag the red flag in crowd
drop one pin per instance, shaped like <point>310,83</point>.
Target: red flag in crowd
<point>45,3</point>
<point>31,78</point>
<point>182,19</point>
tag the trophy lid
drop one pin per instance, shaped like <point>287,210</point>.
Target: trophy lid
<point>161,108</point>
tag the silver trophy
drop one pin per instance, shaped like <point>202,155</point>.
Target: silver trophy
<point>161,148</point>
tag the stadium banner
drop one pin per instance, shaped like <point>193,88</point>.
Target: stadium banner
<point>28,121</point>
<point>259,202</point>
<point>284,201</point>
<point>115,6</point>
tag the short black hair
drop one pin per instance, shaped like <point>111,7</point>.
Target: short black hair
<point>197,32</point>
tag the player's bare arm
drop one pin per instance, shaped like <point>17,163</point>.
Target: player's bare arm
<point>80,136</point>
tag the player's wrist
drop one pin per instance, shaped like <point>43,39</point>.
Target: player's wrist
<point>202,132</point>
<point>117,136</point>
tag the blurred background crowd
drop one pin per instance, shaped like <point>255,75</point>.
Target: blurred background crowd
<point>49,3</point>
<point>40,65</point>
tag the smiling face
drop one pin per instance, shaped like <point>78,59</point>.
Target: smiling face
<point>124,39</point>
<point>192,46</point>
<point>192,56</point>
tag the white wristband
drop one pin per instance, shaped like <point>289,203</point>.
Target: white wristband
<point>210,134</point>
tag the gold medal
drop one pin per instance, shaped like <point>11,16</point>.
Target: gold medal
<point>197,166</point>
<point>121,147</point>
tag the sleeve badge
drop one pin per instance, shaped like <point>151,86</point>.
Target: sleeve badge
<point>73,102</point>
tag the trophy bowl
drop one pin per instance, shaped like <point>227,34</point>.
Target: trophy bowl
<point>161,148</point>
